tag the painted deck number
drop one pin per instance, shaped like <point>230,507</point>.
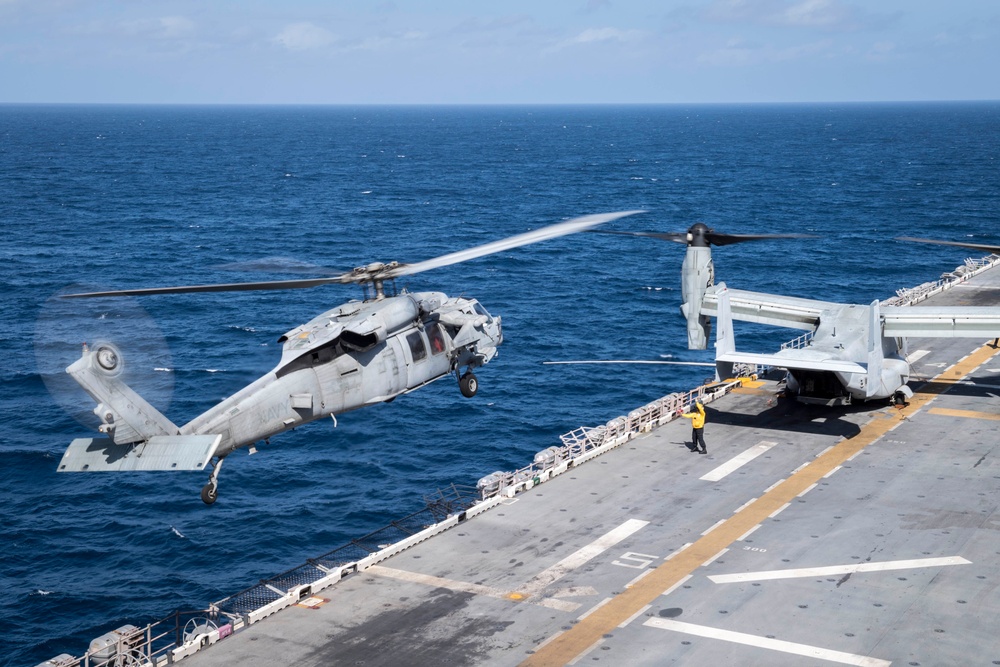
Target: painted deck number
<point>638,561</point>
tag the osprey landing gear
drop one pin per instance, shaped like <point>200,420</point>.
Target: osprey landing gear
<point>210,492</point>
<point>468,384</point>
<point>901,398</point>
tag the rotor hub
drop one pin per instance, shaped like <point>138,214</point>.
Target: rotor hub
<point>697,235</point>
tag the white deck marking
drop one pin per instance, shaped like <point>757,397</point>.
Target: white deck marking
<point>764,642</point>
<point>464,587</point>
<point>807,490</point>
<point>778,511</point>
<point>738,461</point>
<point>573,592</point>
<point>677,585</point>
<point>635,616</point>
<point>589,611</point>
<point>916,356</point>
<point>714,558</point>
<point>581,556</point>
<point>838,569</point>
<point>439,582</point>
<point>638,579</point>
<point>745,505</point>
<point>678,551</point>
<point>774,486</point>
<point>713,526</point>
<point>584,654</point>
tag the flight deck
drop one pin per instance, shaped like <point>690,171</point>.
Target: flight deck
<point>865,534</point>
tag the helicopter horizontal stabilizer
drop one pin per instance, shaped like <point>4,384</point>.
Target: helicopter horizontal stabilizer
<point>163,452</point>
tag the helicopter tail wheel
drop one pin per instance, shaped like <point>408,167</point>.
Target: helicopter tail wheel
<point>468,384</point>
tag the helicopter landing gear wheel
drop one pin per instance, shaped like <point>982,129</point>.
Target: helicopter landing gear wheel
<point>210,493</point>
<point>468,384</point>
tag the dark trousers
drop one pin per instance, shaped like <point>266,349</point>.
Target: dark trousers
<point>697,440</point>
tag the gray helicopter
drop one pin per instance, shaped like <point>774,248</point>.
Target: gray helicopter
<point>357,354</point>
<point>850,352</point>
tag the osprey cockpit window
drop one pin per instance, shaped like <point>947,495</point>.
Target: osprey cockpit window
<point>418,350</point>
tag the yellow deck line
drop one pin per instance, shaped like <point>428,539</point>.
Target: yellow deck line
<point>969,414</point>
<point>626,604</point>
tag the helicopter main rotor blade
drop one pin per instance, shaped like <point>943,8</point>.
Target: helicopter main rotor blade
<point>228,287</point>
<point>974,246</point>
<point>377,271</point>
<point>552,231</point>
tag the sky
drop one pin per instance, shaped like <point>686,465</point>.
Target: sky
<point>510,52</point>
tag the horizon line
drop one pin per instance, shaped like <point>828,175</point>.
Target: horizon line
<point>498,104</point>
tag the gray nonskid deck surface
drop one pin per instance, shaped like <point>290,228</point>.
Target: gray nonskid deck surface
<point>493,589</point>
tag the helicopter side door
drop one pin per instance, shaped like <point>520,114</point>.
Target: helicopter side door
<point>385,371</point>
<point>426,355</point>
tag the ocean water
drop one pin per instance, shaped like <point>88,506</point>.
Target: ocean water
<point>124,196</point>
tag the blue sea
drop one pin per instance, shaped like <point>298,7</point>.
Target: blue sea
<point>113,197</point>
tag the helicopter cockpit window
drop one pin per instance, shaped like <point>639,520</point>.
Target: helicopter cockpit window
<point>482,311</point>
<point>418,350</point>
<point>435,335</point>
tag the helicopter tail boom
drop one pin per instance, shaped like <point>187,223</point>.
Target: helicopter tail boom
<point>125,416</point>
<point>136,435</point>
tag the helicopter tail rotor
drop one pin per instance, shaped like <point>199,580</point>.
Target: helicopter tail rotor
<point>64,327</point>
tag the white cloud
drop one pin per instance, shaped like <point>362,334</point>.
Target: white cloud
<point>166,27</point>
<point>823,14</point>
<point>594,5</point>
<point>816,13</point>
<point>175,26</point>
<point>385,42</point>
<point>303,37</point>
<point>599,35</point>
<point>605,35</point>
<point>881,51</point>
<point>739,52</point>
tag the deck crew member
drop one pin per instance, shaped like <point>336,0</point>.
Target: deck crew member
<point>697,428</point>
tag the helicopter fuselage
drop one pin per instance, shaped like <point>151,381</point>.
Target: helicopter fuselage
<point>358,354</point>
